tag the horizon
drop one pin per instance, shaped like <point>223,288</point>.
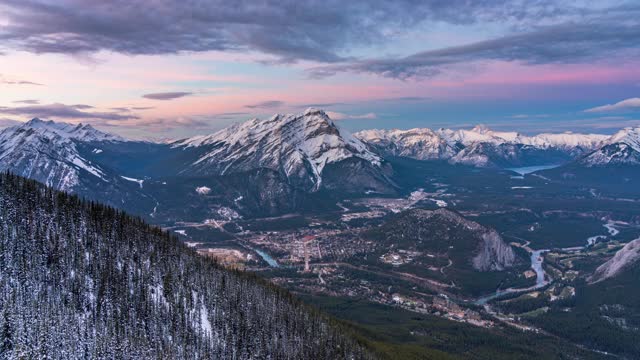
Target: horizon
<point>513,66</point>
<point>159,139</point>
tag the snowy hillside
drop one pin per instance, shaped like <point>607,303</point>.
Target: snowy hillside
<point>85,281</point>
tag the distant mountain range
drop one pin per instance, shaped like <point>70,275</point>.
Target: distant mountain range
<point>483,147</point>
<point>273,166</point>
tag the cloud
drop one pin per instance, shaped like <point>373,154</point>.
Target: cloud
<point>230,115</point>
<point>321,31</point>
<point>529,116</point>
<point>82,106</point>
<point>270,104</point>
<point>166,95</point>
<point>162,124</point>
<point>62,111</point>
<point>11,81</point>
<point>342,116</point>
<point>142,107</point>
<point>321,105</point>
<point>29,101</point>
<point>408,99</point>
<point>596,38</point>
<point>628,104</point>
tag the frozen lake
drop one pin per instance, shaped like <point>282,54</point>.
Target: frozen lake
<point>529,169</point>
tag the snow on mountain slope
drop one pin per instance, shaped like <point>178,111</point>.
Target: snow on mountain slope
<point>424,144</point>
<point>567,140</point>
<point>623,148</point>
<point>46,151</point>
<point>623,259</point>
<point>479,146</point>
<point>300,147</point>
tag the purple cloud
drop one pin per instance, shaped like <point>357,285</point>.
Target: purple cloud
<point>62,111</point>
<point>166,95</point>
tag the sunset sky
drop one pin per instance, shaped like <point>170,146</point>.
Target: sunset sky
<point>169,68</point>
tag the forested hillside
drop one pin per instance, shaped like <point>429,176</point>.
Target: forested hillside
<point>82,280</point>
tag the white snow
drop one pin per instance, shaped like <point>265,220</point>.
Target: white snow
<point>46,151</point>
<point>440,203</point>
<point>181,232</point>
<point>134,180</point>
<point>203,190</point>
<point>82,164</point>
<point>205,324</point>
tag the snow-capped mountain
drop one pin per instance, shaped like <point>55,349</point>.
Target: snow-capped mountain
<point>423,144</point>
<point>623,148</point>
<point>481,146</point>
<point>307,150</point>
<point>60,155</point>
<point>46,151</point>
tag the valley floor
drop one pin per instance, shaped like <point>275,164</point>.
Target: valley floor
<point>559,235</point>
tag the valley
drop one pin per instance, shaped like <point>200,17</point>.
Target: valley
<point>471,229</point>
<point>554,231</point>
<point>319,180</point>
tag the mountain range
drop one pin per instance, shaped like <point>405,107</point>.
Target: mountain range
<point>483,147</point>
<point>277,165</point>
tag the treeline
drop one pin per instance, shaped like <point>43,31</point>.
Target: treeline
<point>79,280</point>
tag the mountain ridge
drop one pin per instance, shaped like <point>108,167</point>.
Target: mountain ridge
<point>480,146</point>
<point>299,146</point>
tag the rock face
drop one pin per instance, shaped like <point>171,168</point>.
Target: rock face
<point>494,253</point>
<point>308,150</point>
<point>622,260</point>
<point>481,146</point>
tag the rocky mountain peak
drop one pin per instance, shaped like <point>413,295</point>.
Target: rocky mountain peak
<point>299,146</point>
<point>62,131</point>
<point>622,147</point>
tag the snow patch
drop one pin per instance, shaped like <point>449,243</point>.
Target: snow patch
<point>133,180</point>
<point>203,190</point>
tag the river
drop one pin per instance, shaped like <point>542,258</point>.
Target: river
<point>536,265</point>
<point>266,257</point>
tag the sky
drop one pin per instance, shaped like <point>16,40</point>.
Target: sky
<point>166,69</point>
